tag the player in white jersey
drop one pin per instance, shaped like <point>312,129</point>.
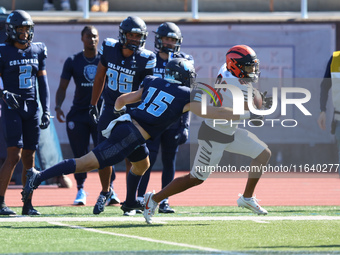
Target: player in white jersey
<point>213,140</point>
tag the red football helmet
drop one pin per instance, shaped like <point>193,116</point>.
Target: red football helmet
<point>240,56</point>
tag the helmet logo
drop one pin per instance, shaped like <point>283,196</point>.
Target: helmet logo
<point>9,17</point>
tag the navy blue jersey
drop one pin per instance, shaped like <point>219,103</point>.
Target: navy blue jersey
<point>83,72</point>
<point>162,104</point>
<point>19,68</point>
<point>124,74</point>
<point>159,70</point>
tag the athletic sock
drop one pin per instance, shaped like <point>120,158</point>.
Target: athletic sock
<point>2,202</point>
<point>68,166</point>
<point>131,187</point>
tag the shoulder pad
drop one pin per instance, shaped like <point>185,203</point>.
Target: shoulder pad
<point>146,53</point>
<point>151,63</point>
<point>111,42</point>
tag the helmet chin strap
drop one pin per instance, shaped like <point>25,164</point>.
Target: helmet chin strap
<point>134,62</point>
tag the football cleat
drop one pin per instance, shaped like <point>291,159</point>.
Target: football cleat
<point>113,200</point>
<point>100,205</point>
<point>32,182</point>
<point>80,198</point>
<point>6,211</point>
<point>29,210</point>
<point>137,205</point>
<point>130,213</point>
<point>150,207</point>
<point>251,204</point>
<point>164,207</point>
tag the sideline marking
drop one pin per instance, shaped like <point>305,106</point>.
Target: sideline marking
<point>164,219</point>
<point>135,237</point>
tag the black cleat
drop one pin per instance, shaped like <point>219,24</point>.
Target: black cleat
<point>6,211</point>
<point>165,208</point>
<point>29,210</point>
<point>100,205</point>
<point>32,183</point>
<point>137,205</point>
<point>113,199</point>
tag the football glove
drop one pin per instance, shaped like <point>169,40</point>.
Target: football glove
<point>10,99</point>
<point>45,120</point>
<point>182,136</point>
<point>255,119</point>
<point>94,115</point>
<point>267,102</point>
<point>120,112</point>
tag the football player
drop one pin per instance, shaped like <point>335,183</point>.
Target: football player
<point>22,63</point>
<point>82,67</point>
<point>163,101</point>
<point>213,140</point>
<point>168,40</point>
<point>122,67</point>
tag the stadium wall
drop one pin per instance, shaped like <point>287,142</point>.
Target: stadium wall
<point>290,51</point>
<point>183,5</point>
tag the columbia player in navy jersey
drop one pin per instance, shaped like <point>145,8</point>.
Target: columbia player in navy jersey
<point>82,67</point>
<point>168,40</point>
<point>162,103</point>
<point>123,65</point>
<point>22,63</point>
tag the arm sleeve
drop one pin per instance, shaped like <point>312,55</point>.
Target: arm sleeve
<point>43,56</point>
<point>325,86</point>
<point>44,93</point>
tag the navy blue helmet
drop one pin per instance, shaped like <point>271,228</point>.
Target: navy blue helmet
<point>17,19</point>
<point>168,29</point>
<point>132,24</point>
<point>180,70</point>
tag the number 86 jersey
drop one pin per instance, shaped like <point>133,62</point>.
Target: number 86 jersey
<point>19,68</point>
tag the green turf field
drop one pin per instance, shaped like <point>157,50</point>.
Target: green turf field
<point>192,230</point>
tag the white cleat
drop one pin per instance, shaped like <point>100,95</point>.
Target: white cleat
<point>252,205</point>
<point>149,207</point>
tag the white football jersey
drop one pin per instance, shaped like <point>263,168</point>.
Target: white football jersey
<point>227,99</point>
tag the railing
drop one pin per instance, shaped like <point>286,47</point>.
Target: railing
<point>194,9</point>
<point>304,8</point>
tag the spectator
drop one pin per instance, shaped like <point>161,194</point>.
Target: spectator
<point>82,67</point>
<point>99,5</point>
<point>20,107</point>
<point>65,5</point>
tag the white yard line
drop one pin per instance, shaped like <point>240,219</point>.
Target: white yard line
<point>135,237</point>
<point>163,219</point>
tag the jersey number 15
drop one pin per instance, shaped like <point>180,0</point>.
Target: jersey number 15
<point>159,104</point>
